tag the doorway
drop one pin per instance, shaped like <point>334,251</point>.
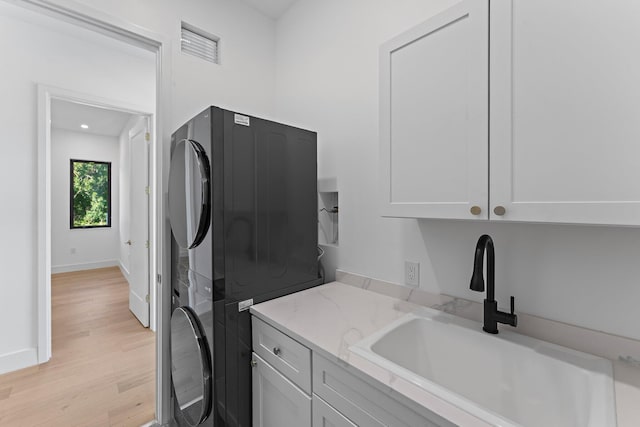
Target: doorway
<point>85,133</point>
<point>100,194</point>
<point>88,311</point>
<point>32,331</point>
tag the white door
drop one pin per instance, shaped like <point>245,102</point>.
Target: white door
<point>565,96</point>
<point>434,117</point>
<point>277,402</point>
<point>139,223</point>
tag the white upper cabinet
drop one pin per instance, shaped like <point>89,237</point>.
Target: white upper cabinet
<point>565,111</point>
<point>553,137</point>
<point>434,116</point>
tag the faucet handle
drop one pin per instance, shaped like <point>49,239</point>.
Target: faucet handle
<point>513,303</point>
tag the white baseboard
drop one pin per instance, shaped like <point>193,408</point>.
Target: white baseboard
<point>18,360</point>
<point>85,266</point>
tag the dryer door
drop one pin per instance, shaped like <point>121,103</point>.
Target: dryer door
<point>190,366</point>
<point>189,193</point>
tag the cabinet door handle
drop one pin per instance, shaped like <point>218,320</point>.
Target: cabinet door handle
<point>276,351</point>
<point>499,210</point>
<point>475,210</point>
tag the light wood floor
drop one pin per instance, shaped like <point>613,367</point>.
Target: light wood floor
<point>102,372</point>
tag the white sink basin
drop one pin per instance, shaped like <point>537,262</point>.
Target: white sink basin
<point>506,379</point>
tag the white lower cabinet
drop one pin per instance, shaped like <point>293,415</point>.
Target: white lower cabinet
<point>277,402</point>
<point>286,355</point>
<point>324,415</point>
<point>296,387</point>
<point>364,404</point>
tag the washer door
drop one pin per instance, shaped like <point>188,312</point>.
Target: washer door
<point>189,193</point>
<point>190,366</point>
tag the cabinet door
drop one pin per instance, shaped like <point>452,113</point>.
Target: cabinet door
<point>434,117</point>
<point>364,404</point>
<point>565,103</point>
<point>277,402</point>
<point>326,416</point>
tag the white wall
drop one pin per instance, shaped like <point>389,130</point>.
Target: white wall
<point>81,249</point>
<point>31,54</point>
<point>327,80</point>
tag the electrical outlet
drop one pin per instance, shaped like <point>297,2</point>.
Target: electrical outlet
<point>412,273</point>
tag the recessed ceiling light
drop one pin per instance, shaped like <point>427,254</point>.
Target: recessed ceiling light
<point>83,126</point>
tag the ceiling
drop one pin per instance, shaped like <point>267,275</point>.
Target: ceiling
<point>273,8</point>
<point>70,115</point>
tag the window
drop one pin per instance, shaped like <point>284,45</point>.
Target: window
<point>90,194</point>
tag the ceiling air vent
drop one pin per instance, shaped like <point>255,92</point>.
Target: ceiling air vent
<point>199,43</point>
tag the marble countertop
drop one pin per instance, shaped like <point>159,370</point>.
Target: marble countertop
<point>332,317</point>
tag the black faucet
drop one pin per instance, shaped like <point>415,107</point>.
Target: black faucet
<point>491,313</point>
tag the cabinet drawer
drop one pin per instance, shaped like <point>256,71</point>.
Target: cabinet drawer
<point>288,356</point>
<point>324,415</point>
<point>362,403</point>
<point>277,402</point>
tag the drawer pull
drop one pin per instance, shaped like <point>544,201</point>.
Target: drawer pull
<point>276,351</point>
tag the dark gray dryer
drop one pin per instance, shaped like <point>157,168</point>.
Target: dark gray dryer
<point>192,283</point>
<point>243,210</point>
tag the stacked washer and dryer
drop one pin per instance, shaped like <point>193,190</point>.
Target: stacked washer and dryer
<point>243,213</point>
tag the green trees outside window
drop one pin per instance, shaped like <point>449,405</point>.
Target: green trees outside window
<point>90,194</point>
